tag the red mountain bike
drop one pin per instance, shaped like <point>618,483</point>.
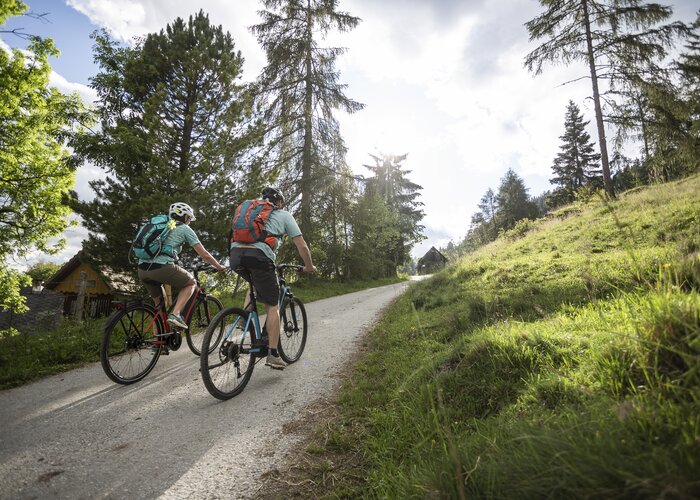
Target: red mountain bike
<point>137,333</point>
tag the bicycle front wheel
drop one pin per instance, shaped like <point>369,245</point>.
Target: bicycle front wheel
<point>130,344</point>
<point>293,330</point>
<point>226,369</point>
<point>200,319</point>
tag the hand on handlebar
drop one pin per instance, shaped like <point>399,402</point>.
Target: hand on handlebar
<point>309,269</point>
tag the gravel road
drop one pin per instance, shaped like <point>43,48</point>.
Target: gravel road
<point>78,435</point>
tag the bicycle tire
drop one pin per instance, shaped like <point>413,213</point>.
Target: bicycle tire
<point>200,319</point>
<point>128,351</point>
<point>227,369</point>
<point>293,330</point>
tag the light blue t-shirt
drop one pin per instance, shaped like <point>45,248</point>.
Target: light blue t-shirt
<point>279,223</point>
<point>181,234</point>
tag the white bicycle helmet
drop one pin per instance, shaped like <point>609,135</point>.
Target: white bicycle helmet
<point>181,209</point>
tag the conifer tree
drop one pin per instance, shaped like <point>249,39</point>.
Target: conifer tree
<point>513,201</point>
<point>489,207</point>
<point>594,31</point>
<point>391,184</point>
<point>173,128</point>
<point>576,165</point>
<point>299,91</point>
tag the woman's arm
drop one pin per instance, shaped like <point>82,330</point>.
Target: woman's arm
<point>204,254</point>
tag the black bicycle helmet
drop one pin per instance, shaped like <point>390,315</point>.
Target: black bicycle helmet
<point>273,194</point>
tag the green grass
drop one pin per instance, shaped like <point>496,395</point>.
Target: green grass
<point>560,362</point>
<point>27,357</point>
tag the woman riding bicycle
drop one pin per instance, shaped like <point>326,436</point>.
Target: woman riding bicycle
<point>162,270</point>
<point>256,261</point>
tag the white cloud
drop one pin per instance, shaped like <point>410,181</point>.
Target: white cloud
<point>126,19</point>
<point>87,94</point>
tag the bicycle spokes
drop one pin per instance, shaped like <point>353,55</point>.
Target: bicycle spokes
<point>226,370</point>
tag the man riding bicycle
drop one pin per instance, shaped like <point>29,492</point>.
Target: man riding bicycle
<point>162,270</point>
<point>256,263</point>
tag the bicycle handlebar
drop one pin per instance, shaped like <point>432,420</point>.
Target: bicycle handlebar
<point>284,267</point>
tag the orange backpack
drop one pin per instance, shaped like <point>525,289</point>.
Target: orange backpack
<point>248,223</point>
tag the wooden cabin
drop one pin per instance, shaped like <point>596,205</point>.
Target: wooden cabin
<point>432,261</point>
<point>100,286</point>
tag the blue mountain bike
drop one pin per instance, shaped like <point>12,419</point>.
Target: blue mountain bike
<point>227,369</point>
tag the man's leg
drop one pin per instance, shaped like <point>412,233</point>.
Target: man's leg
<point>272,324</point>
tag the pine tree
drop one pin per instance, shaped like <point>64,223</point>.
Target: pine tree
<point>173,128</point>
<point>391,184</point>
<point>513,201</point>
<point>299,91</point>
<point>595,31</point>
<point>489,207</point>
<point>674,127</point>
<point>576,165</point>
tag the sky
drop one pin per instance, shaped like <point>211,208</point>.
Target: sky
<point>442,81</point>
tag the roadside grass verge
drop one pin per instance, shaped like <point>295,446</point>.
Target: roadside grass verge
<point>562,362</point>
<point>26,357</point>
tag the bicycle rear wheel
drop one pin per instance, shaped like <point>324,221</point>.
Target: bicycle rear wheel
<point>200,319</point>
<point>293,330</point>
<point>130,347</point>
<point>226,369</point>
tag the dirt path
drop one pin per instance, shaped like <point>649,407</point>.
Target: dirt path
<point>77,435</point>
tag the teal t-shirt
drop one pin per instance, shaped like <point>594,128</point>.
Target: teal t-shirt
<point>280,223</point>
<point>176,239</point>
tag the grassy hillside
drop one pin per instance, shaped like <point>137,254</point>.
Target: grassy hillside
<point>563,360</point>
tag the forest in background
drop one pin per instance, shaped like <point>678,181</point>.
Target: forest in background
<point>645,86</point>
<point>173,121</point>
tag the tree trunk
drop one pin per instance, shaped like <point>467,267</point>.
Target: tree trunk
<point>607,179</point>
<point>305,216</point>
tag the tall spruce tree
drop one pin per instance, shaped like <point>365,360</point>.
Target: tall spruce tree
<point>390,183</point>
<point>298,92</point>
<point>595,31</point>
<point>173,128</point>
<point>489,206</point>
<point>577,164</point>
<point>675,111</point>
<point>514,203</point>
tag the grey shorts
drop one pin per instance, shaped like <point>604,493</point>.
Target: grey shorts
<point>163,274</point>
<point>253,265</point>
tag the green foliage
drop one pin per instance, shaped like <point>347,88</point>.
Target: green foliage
<point>390,184</point>
<point>618,40</point>
<point>298,92</point>
<point>576,165</point>
<point>9,8</point>
<point>563,364</point>
<point>43,270</point>
<point>513,202</point>
<point>36,174</point>
<point>174,127</point>
<point>376,235</point>
<point>25,357</point>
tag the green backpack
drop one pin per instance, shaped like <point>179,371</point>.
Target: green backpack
<point>150,238</point>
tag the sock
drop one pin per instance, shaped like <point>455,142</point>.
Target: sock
<point>273,352</point>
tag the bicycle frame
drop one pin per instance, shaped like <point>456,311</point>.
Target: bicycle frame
<point>253,317</point>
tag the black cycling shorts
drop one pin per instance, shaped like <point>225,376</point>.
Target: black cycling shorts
<point>253,265</point>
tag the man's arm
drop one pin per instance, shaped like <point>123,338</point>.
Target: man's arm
<point>305,254</point>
